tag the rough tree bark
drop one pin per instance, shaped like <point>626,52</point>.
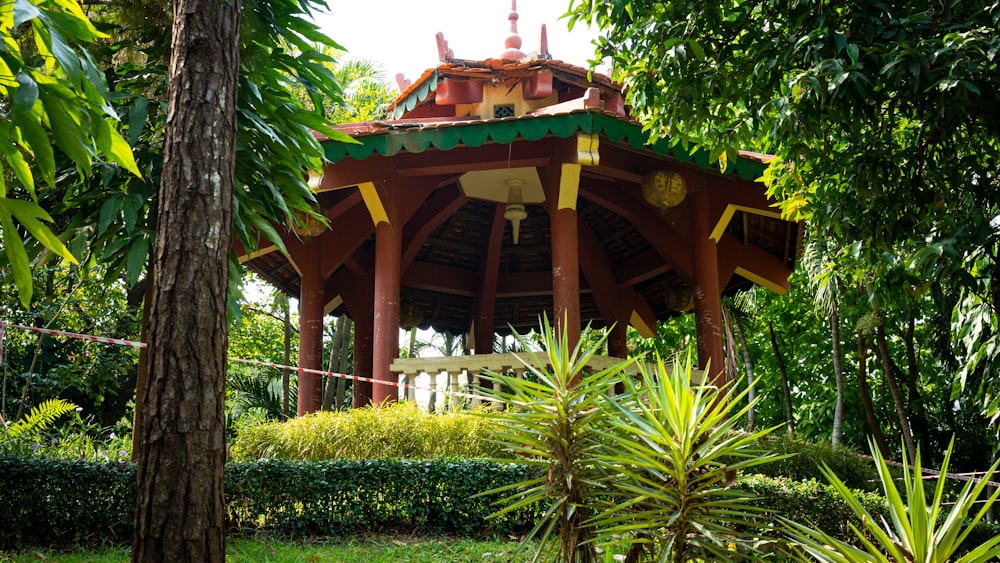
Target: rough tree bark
<point>179,512</point>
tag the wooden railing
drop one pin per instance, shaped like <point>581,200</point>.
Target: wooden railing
<point>471,367</point>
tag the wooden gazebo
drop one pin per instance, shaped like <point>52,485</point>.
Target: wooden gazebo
<point>500,189</point>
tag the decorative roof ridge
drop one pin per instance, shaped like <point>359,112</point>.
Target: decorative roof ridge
<point>428,81</point>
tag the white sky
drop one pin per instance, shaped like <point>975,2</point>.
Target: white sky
<point>400,33</point>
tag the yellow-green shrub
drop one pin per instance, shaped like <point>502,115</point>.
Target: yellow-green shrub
<point>399,431</point>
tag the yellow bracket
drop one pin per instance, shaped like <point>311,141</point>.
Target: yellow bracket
<point>374,203</point>
<point>587,152</point>
<point>727,216</point>
<point>640,325</point>
<point>569,185</point>
<point>762,281</point>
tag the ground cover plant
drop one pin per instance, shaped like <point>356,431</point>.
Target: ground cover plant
<point>402,430</point>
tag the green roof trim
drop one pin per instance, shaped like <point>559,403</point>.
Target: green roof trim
<point>474,134</point>
<point>424,90</point>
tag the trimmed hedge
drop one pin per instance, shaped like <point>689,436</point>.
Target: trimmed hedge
<point>59,503</point>
<point>808,502</point>
<point>334,497</point>
<point>804,464</point>
<point>55,502</point>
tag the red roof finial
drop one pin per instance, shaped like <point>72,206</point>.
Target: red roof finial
<point>513,43</point>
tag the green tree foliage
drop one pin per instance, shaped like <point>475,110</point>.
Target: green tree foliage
<point>282,52</point>
<point>52,93</point>
<point>257,336</point>
<point>98,377</point>
<point>882,120</point>
<point>366,90</point>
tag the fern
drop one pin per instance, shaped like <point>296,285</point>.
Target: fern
<point>40,418</point>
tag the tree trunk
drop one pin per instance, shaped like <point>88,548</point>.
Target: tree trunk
<point>179,510</point>
<point>786,392</point>
<point>732,372</point>
<point>286,374</point>
<point>748,364</point>
<point>866,397</point>
<point>897,396</point>
<point>914,401</point>
<point>838,373</point>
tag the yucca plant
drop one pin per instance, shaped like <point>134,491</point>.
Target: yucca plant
<point>550,421</point>
<point>674,453</point>
<point>919,530</point>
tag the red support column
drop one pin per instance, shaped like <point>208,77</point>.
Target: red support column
<point>563,183</point>
<point>310,337</point>
<point>385,333</point>
<point>708,292</point>
<point>362,394</point>
<point>484,305</point>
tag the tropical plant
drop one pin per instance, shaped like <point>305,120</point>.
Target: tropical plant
<point>919,529</point>
<point>256,390</point>
<point>551,420</point>
<point>672,455</point>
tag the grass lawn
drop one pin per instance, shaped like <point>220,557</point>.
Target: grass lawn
<point>374,549</point>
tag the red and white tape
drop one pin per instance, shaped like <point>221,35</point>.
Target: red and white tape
<point>122,342</point>
<point>89,337</point>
